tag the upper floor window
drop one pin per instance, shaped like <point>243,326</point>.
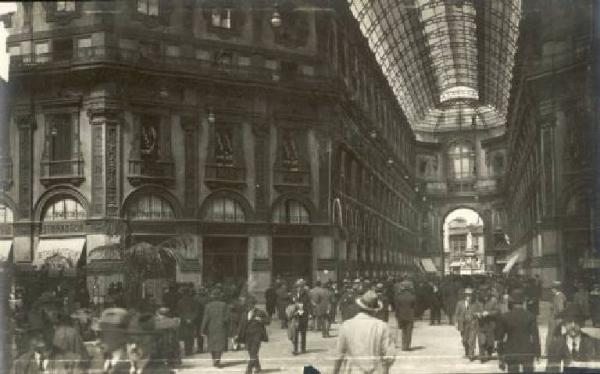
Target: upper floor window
<point>150,207</point>
<point>65,210</point>
<point>225,209</point>
<point>61,137</point>
<point>65,6</point>
<point>291,211</point>
<point>461,158</point>
<point>148,7</point>
<point>6,214</point>
<point>221,18</point>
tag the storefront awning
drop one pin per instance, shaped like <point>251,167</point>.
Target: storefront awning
<point>59,253</point>
<point>428,265</point>
<point>5,246</point>
<point>510,263</point>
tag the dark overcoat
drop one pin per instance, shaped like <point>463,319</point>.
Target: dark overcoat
<point>215,325</point>
<point>519,335</point>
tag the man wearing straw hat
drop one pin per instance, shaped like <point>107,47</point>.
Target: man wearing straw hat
<point>365,343</point>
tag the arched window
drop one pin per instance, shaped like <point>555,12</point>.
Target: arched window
<point>225,209</point>
<point>6,214</point>
<point>291,211</point>
<point>67,209</point>
<point>150,207</point>
<point>461,158</point>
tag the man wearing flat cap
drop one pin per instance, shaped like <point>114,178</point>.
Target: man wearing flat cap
<point>365,343</point>
<point>559,301</point>
<point>574,346</point>
<point>518,336</point>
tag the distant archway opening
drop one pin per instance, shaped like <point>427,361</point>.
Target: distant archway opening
<point>464,243</point>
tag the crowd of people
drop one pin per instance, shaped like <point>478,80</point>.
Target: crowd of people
<point>495,316</point>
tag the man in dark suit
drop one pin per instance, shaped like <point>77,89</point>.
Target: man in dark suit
<point>303,303</point>
<point>465,314</point>
<point>573,346</point>
<point>519,341</point>
<point>404,306</point>
<point>252,332</point>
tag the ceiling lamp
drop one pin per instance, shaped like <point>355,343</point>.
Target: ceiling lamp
<point>276,17</point>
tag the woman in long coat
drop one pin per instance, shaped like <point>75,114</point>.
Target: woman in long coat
<point>215,325</point>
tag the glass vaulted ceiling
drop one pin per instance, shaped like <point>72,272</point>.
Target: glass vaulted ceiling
<point>447,60</point>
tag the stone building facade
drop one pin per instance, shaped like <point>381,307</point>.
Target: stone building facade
<point>259,137</point>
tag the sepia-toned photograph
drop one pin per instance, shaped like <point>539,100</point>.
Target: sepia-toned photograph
<point>299,186</point>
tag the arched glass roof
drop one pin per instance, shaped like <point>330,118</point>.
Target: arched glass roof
<point>440,54</point>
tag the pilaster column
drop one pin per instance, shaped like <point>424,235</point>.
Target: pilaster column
<point>262,131</point>
<point>26,126</point>
<point>105,121</point>
<point>190,134</point>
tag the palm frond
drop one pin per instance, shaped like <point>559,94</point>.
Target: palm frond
<point>106,252</point>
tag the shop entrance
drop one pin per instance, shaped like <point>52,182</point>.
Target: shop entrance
<point>225,260</point>
<point>292,258</point>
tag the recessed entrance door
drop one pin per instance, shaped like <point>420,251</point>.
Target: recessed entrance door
<point>225,260</point>
<point>292,258</point>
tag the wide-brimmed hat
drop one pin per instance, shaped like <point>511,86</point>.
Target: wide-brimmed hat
<point>141,324</point>
<point>468,291</point>
<point>113,319</point>
<point>163,311</point>
<point>300,282</point>
<point>406,285</point>
<point>369,301</point>
<point>556,284</point>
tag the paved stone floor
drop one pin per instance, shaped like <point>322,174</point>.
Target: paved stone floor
<point>436,349</point>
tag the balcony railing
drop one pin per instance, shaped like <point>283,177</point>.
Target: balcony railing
<point>162,172</point>
<point>292,178</point>
<point>217,175</point>
<point>60,171</point>
<point>102,54</point>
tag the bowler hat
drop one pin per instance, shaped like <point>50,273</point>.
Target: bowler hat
<point>369,301</point>
<point>517,296</point>
<point>112,319</point>
<point>379,287</point>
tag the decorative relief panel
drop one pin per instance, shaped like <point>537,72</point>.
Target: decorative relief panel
<point>97,171</point>
<point>26,127</point>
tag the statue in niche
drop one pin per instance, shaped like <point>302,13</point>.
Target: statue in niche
<point>290,153</point>
<point>149,141</point>
<point>224,147</point>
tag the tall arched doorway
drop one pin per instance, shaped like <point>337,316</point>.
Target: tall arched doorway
<point>464,245</point>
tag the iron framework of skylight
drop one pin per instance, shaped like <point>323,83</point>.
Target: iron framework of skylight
<point>435,52</point>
